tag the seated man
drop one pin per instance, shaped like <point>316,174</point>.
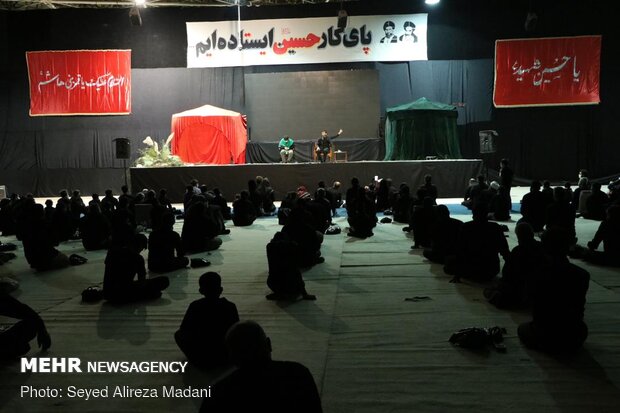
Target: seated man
<point>596,204</point>
<point>403,206</point>
<point>609,233</point>
<point>260,384</point>
<point>499,204</point>
<point>324,145</point>
<point>39,243</point>
<point>298,229</point>
<point>220,201</point>
<point>320,209</point>
<point>244,212</point>
<point>422,220</point>
<point>95,229</point>
<point>522,268</point>
<point>122,264</point>
<point>206,321</point>
<point>163,243</point>
<point>286,147</point>
<point>474,193</point>
<point>362,216</point>
<point>559,297</point>
<point>443,233</point>
<point>561,214</point>
<point>200,231</point>
<point>336,197</point>
<point>428,189</point>
<point>285,278</point>
<point>15,341</point>
<point>534,207</point>
<point>478,246</point>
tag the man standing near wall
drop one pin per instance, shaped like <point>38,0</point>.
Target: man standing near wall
<point>505,176</point>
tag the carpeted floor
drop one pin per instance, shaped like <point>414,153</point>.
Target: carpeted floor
<point>369,349</point>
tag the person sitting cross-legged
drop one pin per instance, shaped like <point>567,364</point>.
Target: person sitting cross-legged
<point>244,212</point>
<point>478,246</point>
<point>609,234</point>
<point>200,232</point>
<point>122,264</point>
<point>444,233</point>
<point>95,229</point>
<point>559,297</point>
<point>285,279</point>
<point>260,384</point>
<point>521,270</point>
<point>534,207</point>
<point>206,321</point>
<point>163,243</point>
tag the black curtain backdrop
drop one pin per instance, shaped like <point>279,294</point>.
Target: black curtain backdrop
<point>42,155</point>
<point>356,150</point>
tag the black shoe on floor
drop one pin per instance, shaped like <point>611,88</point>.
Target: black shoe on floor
<point>199,263</point>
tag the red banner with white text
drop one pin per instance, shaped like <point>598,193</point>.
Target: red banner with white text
<point>547,71</point>
<point>80,82</point>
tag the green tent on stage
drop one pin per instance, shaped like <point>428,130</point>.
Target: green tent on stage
<point>421,129</point>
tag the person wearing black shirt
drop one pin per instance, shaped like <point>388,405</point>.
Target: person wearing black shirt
<point>561,214</point>
<point>505,176</point>
<point>559,297</point>
<point>122,264</point>
<point>522,268</point>
<point>596,204</point>
<point>260,384</point>
<point>244,212</point>
<point>285,279</point>
<point>534,207</point>
<point>39,242</point>
<point>298,228</point>
<point>200,232</point>
<point>163,243</point>
<point>324,145</point>
<point>336,197</point>
<point>609,234</point>
<point>15,341</point>
<point>203,329</point>
<point>479,244</point>
<point>427,190</point>
<point>444,233</point>
<point>475,192</point>
<point>95,229</point>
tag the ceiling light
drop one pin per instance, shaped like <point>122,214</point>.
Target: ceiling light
<point>431,2</point>
<point>140,2</point>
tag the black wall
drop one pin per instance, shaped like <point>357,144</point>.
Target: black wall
<point>44,154</point>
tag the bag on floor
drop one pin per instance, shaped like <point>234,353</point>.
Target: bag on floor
<point>92,295</point>
<point>333,230</point>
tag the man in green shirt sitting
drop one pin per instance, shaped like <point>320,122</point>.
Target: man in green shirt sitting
<point>286,147</point>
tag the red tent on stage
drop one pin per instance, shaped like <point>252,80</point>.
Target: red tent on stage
<point>209,135</point>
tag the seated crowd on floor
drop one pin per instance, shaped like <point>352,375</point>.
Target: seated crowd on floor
<point>532,272</point>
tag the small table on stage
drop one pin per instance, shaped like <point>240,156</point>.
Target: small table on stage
<point>340,156</point>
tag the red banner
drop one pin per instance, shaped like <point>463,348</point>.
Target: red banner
<point>547,72</point>
<point>80,82</point>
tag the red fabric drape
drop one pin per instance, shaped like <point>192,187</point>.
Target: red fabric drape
<point>209,135</point>
<point>547,71</point>
<point>80,82</point>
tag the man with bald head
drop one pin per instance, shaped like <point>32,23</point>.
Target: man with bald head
<point>260,383</point>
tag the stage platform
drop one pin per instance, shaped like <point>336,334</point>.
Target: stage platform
<point>450,176</point>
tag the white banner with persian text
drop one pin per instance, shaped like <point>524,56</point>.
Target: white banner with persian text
<point>386,38</point>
